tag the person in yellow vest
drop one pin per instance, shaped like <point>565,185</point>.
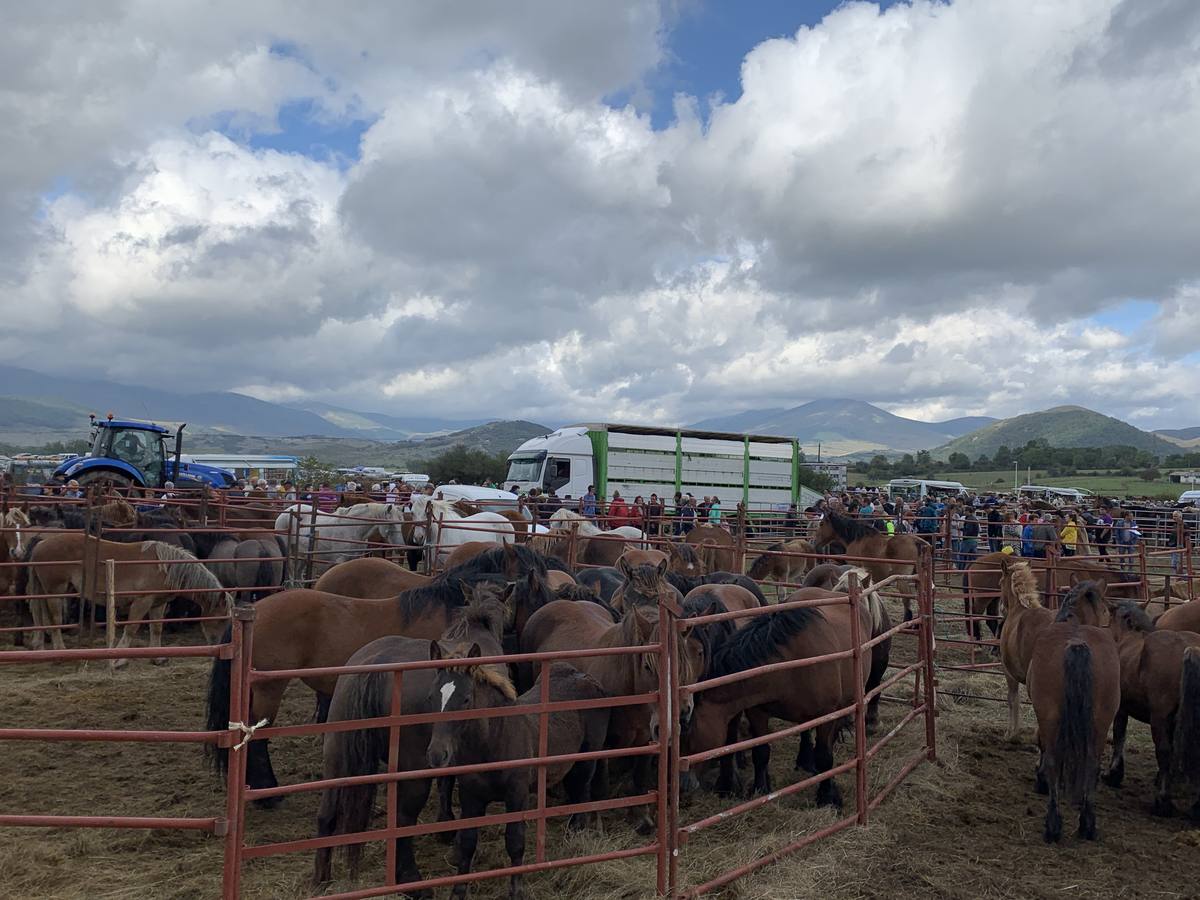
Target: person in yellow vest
<point>1069,535</point>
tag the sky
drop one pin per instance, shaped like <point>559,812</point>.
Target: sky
<point>636,210</point>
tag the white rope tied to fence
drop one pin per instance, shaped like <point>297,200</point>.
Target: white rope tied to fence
<point>246,731</point>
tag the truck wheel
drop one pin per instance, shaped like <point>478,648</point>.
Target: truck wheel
<point>105,480</point>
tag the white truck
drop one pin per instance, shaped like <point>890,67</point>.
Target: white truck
<point>759,470</point>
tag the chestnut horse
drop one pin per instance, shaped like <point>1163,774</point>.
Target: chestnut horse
<point>1074,683</point>
<point>1160,685</point>
<point>796,695</point>
<point>898,554</point>
<point>717,548</point>
<point>346,810</point>
<point>1024,619</point>
<point>1185,617</point>
<point>309,629</point>
<point>368,577</point>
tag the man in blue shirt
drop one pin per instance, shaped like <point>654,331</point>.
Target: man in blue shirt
<point>587,503</point>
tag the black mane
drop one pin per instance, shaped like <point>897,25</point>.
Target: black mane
<point>848,529</point>
<point>760,640</point>
<point>711,634</point>
<point>1140,619</point>
<point>497,559</point>
<point>443,592</point>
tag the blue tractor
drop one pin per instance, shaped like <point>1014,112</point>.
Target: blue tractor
<point>128,454</point>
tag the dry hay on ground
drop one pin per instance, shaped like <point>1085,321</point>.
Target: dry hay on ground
<point>968,827</point>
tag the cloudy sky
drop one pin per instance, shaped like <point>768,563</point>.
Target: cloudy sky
<point>628,210</point>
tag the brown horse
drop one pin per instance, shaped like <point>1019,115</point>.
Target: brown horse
<point>1185,617</point>
<point>468,551</point>
<point>778,565</point>
<point>1024,619</point>
<point>1160,685</point>
<point>645,574</point>
<point>1165,597</point>
<point>368,577</point>
<point>717,548</point>
<point>57,564</point>
<point>345,810</point>
<point>309,629</point>
<point>796,695</point>
<point>475,741</point>
<point>981,582</point>
<point>566,625</point>
<point>899,553</point>
<point>1074,683</point>
<point>683,558</point>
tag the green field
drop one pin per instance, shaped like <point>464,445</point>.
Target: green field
<point>1106,485</point>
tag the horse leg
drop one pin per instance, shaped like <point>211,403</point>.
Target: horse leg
<point>446,807</point>
<point>1087,811</point>
<point>474,804</point>
<point>264,704</point>
<point>761,754</point>
<point>641,779</point>
<point>804,756</point>
<point>828,793</point>
<point>54,609</point>
<point>1014,708</point>
<point>514,835</point>
<point>578,783</point>
<point>727,778</point>
<point>1116,769</point>
<point>413,796</point>
<point>158,611</point>
<point>37,609</point>
<point>1052,832</point>
<point>1161,731</point>
<point>137,611</point>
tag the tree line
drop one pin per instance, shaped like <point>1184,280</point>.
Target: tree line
<point>1036,454</point>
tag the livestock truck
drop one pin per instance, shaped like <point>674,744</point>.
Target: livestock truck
<point>761,471</point>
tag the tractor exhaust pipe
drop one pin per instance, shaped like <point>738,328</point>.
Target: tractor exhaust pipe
<point>178,449</point>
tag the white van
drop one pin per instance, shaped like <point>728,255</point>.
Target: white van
<point>1056,495</point>
<point>1192,497</point>
<point>916,488</point>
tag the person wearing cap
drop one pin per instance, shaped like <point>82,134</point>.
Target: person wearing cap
<point>72,489</point>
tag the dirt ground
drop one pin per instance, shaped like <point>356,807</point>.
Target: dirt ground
<point>967,827</point>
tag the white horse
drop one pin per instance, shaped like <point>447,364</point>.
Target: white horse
<point>450,528</point>
<point>564,518</point>
<point>341,535</point>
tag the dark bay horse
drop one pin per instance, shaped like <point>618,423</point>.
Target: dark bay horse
<point>1074,683</point>
<point>567,625</point>
<point>345,810</point>
<point>795,695</point>
<point>473,741</point>
<point>774,564</point>
<point>898,553</point>
<point>1160,685</point>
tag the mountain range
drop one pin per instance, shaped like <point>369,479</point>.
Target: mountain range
<point>1062,426</point>
<point>37,408</point>
<point>845,427</point>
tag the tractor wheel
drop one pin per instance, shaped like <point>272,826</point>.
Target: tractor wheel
<point>105,480</point>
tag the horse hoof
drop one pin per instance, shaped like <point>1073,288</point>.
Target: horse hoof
<point>1113,778</point>
<point>161,660</point>
<point>644,827</point>
<point>120,663</point>
<point>269,803</point>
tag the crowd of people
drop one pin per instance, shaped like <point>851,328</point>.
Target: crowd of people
<point>655,516</point>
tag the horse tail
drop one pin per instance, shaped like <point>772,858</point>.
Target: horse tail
<point>1185,752</point>
<point>1075,748</point>
<point>219,678</point>
<point>350,753</point>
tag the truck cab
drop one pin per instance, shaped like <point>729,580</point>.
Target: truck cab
<point>560,461</point>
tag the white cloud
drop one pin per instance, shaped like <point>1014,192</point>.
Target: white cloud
<point>920,208</point>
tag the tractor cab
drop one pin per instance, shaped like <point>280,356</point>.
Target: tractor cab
<point>139,445</point>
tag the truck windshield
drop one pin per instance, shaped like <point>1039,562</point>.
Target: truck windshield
<point>525,468</point>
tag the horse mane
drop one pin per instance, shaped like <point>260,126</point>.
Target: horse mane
<point>491,677</point>
<point>443,591</point>
<point>496,560</point>
<point>848,529</point>
<point>868,594</point>
<point>711,634</point>
<point>1084,592</point>
<point>684,583</point>
<point>182,578</point>
<point>761,640</point>
<point>482,610</point>
<point>1024,585</point>
<point>16,517</point>
<point>762,565</point>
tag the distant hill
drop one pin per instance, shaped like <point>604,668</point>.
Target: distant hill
<point>37,408</point>
<point>845,426</point>
<point>493,437</point>
<point>1181,437</point>
<point>1062,426</point>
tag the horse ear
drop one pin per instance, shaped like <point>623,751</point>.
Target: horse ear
<point>662,568</point>
<point>475,651</point>
<point>623,567</point>
<point>435,650</point>
<point>509,589</point>
<point>1004,565</point>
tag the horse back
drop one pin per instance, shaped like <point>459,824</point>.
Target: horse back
<point>1185,617</point>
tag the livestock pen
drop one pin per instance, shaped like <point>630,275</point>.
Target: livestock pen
<point>945,831</point>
